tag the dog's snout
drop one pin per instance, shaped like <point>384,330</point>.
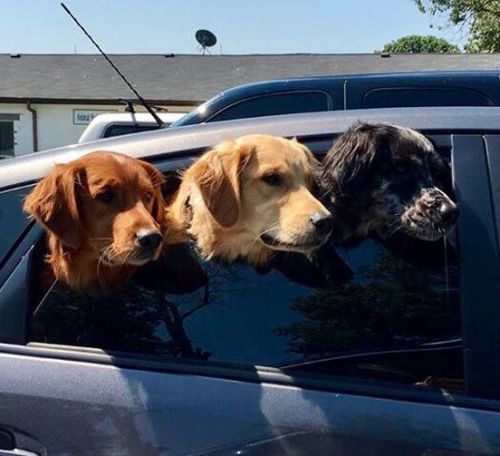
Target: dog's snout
<point>148,239</point>
<point>449,215</point>
<point>323,223</point>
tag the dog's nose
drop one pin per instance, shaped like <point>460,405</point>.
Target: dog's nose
<point>148,239</point>
<point>323,223</point>
<point>449,215</point>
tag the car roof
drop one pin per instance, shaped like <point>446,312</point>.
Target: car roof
<point>157,143</point>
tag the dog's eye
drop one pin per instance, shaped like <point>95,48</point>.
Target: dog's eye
<point>148,196</point>
<point>106,196</point>
<point>275,180</point>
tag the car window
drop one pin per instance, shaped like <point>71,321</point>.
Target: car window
<point>271,105</point>
<point>396,319</point>
<point>412,97</point>
<point>119,130</point>
<point>12,218</point>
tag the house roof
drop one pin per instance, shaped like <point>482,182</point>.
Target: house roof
<point>190,79</point>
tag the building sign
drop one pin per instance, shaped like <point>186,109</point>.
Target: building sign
<point>83,116</point>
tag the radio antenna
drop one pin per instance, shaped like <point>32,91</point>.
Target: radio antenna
<point>142,100</point>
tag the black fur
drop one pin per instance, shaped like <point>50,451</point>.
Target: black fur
<point>381,179</point>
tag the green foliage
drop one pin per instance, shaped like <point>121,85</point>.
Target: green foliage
<point>417,44</point>
<point>481,19</point>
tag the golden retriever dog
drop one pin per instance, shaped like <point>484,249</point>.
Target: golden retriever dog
<point>249,197</point>
<point>104,217</point>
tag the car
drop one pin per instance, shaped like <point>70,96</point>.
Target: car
<point>326,93</point>
<point>402,360</point>
<point>124,123</point>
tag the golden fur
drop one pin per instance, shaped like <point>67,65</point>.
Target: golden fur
<point>247,197</point>
<point>93,209</point>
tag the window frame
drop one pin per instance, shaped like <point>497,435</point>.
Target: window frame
<point>263,374</point>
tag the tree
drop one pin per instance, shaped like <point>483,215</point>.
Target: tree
<point>417,44</point>
<point>481,19</point>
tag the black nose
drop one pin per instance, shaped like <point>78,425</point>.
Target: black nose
<point>323,223</point>
<point>148,239</point>
<point>449,216</point>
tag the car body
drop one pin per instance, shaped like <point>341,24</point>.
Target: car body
<point>124,123</point>
<point>314,94</point>
<point>246,390</point>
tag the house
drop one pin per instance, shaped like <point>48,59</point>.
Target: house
<point>46,100</point>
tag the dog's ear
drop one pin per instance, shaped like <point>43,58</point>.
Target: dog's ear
<point>53,203</point>
<point>217,175</point>
<point>157,179</point>
<point>349,162</point>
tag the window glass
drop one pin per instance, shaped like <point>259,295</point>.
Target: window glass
<point>6,137</point>
<point>414,97</point>
<point>12,218</point>
<point>272,105</point>
<point>397,318</point>
<point>119,130</point>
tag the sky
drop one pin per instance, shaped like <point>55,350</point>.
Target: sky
<point>241,26</point>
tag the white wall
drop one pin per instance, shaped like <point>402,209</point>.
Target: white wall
<point>55,123</point>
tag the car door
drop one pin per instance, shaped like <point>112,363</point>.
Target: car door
<point>265,365</point>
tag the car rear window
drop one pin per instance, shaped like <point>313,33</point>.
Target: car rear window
<point>418,96</point>
<point>119,130</point>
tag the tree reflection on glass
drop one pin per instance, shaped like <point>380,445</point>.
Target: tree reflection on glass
<point>392,303</point>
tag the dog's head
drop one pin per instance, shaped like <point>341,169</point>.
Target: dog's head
<point>107,204</point>
<point>257,188</point>
<point>384,178</point>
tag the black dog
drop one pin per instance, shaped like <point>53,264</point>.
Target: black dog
<point>384,181</point>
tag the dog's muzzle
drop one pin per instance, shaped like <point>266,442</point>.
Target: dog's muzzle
<point>321,226</point>
<point>433,215</point>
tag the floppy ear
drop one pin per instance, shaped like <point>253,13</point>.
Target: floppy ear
<point>217,175</point>
<point>350,160</point>
<point>53,203</point>
<point>157,180</point>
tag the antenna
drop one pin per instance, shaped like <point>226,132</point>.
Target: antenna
<point>205,39</point>
<point>142,100</point>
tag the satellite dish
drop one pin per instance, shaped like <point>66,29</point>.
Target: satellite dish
<point>206,39</point>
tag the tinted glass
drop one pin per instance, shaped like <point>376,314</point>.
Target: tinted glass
<point>413,97</point>
<point>272,105</point>
<point>119,130</point>
<point>12,218</point>
<point>297,317</point>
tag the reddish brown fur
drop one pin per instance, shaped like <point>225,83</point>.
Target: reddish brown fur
<point>92,242</point>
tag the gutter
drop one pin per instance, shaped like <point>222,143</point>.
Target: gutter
<point>34,124</point>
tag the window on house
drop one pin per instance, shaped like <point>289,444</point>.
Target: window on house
<point>6,137</point>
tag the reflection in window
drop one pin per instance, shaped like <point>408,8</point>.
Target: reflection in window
<point>251,317</point>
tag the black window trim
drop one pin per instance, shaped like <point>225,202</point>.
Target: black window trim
<point>256,374</point>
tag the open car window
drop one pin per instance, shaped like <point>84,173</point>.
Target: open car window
<point>388,312</point>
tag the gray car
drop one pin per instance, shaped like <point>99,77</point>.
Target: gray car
<point>402,359</point>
